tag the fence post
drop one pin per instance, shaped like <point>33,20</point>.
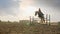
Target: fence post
<point>33,19</point>
<point>30,19</point>
<point>46,18</point>
<point>49,19</point>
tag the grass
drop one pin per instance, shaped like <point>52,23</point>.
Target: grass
<point>23,28</point>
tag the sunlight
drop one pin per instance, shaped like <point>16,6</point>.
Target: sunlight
<point>29,11</point>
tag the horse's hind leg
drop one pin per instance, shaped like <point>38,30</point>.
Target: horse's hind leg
<point>42,20</point>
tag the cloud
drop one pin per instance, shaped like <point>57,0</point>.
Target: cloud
<point>8,7</point>
<point>47,3</point>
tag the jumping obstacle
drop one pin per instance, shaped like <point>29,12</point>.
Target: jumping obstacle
<point>47,19</point>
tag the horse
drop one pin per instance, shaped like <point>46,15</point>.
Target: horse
<point>40,15</point>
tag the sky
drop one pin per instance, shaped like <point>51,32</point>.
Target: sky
<point>15,10</point>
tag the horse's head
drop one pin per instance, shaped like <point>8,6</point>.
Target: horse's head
<point>36,13</point>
